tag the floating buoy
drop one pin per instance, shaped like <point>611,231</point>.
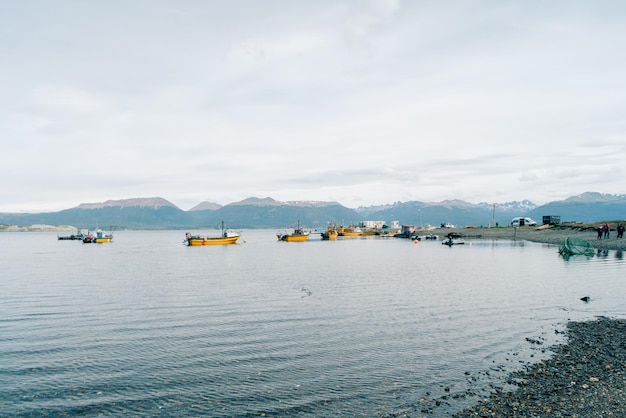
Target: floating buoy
<point>415,242</point>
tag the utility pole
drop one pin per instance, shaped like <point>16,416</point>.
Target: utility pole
<point>421,225</point>
<point>494,215</point>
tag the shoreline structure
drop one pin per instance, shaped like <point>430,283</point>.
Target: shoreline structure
<point>554,235</point>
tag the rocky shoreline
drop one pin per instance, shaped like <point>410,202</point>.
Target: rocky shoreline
<point>586,377</point>
<point>36,228</point>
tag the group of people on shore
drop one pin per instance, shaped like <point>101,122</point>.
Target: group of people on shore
<point>605,230</point>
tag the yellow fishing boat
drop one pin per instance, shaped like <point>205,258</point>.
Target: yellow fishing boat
<point>350,231</point>
<point>226,237</point>
<point>371,232</point>
<point>298,235</point>
<point>331,233</point>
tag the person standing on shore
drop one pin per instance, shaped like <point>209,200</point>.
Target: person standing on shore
<point>620,231</point>
<point>607,230</point>
<point>599,230</point>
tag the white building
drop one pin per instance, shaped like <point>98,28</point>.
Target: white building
<point>372,224</point>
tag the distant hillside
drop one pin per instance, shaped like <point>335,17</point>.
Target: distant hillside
<point>588,207</point>
<point>457,212</point>
<point>206,206</point>
<point>514,207</point>
<point>269,213</point>
<point>152,213</point>
<point>149,202</point>
<point>158,213</point>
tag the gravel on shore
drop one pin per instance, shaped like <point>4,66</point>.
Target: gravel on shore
<point>586,377</point>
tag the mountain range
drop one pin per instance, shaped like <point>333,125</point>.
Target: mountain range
<point>159,213</point>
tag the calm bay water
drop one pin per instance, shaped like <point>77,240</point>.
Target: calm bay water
<point>145,326</point>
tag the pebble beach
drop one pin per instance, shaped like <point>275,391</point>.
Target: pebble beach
<point>585,378</point>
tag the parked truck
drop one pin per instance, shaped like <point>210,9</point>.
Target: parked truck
<point>551,220</point>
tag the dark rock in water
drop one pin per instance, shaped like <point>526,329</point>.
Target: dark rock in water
<point>585,299</point>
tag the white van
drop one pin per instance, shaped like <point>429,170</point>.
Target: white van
<point>523,221</point>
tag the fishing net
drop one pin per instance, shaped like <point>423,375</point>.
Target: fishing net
<point>576,246</point>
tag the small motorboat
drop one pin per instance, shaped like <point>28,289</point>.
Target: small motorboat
<point>453,241</point>
<point>298,235</point>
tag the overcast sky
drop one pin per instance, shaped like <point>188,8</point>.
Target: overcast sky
<point>360,102</point>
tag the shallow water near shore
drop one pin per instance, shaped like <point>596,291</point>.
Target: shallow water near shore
<point>145,326</point>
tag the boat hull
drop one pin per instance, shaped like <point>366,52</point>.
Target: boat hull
<point>201,241</point>
<point>89,239</point>
<point>370,233</point>
<point>350,232</point>
<point>79,237</point>
<point>293,238</point>
<point>329,235</point>
<point>298,235</point>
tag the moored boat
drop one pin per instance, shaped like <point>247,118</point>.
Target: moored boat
<point>407,231</point>
<point>298,235</point>
<point>453,238</point>
<point>226,237</point>
<point>453,241</point>
<point>72,237</point>
<point>351,231</point>
<point>330,233</point>
<point>98,238</point>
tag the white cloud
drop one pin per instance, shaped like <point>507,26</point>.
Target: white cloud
<point>365,102</point>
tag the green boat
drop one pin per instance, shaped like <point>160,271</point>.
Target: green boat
<point>576,246</point>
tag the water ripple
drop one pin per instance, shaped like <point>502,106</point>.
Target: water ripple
<point>354,327</point>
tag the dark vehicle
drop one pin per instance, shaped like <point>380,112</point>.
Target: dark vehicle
<point>551,220</point>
